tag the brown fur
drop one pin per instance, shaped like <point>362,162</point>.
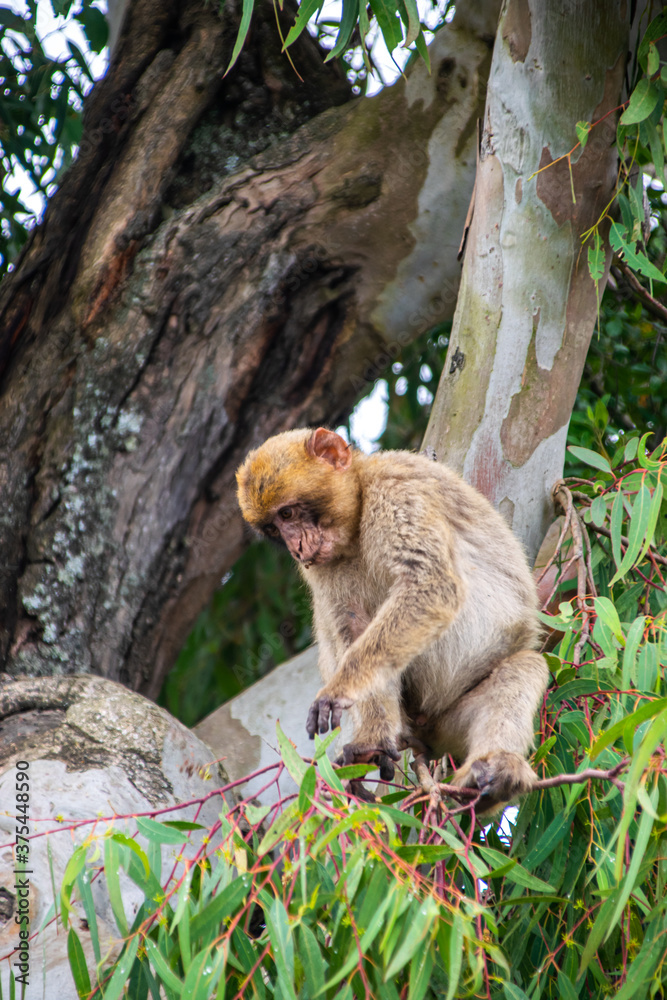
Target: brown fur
<point>424,605</point>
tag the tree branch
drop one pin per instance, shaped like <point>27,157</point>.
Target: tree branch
<point>590,774</point>
<point>652,304</point>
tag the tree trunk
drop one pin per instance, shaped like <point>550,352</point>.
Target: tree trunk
<point>208,274</point>
<point>527,305</point>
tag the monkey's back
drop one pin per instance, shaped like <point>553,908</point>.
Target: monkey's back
<point>425,500</point>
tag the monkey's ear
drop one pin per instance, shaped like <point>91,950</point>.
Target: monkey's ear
<point>329,446</point>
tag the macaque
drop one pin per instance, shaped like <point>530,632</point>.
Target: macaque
<point>424,606</point>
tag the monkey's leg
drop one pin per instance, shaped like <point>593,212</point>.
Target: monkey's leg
<point>494,722</point>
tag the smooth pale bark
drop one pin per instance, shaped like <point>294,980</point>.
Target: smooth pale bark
<point>527,305</point>
<point>162,321</point>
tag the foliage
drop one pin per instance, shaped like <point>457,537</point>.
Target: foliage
<point>400,22</point>
<point>40,111</point>
<point>324,895</point>
<point>641,138</point>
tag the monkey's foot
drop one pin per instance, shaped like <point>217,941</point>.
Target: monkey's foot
<point>322,708</point>
<point>427,782</point>
<point>500,777</point>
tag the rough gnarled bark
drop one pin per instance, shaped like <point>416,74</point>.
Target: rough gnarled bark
<point>185,298</point>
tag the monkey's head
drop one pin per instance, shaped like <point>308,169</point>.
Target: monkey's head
<point>301,488</point>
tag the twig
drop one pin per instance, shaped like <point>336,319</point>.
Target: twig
<point>652,304</point>
<point>466,794</point>
<point>624,543</point>
<point>582,553</point>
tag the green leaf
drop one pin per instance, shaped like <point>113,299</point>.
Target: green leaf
<point>159,833</point>
<point>118,981</point>
<point>77,963</point>
<point>120,838</point>
<point>628,883</point>
<point>656,30</point>
<point>278,926</point>
<point>653,515</point>
<point>162,967</point>
<point>295,764</point>
<point>657,152</point>
<point>632,641</point>
<point>248,6</point>
<point>591,458</point>
<point>566,987</point>
<point>606,611</point>
<point>307,789</point>
<point>307,9</point>
<point>417,928</point>
<point>328,773</point>
<point>642,102</point>
<point>455,954</point>
<point>597,933</point>
<point>348,22</point>
<point>410,16</point>
<point>630,452</point>
<point>650,741</point>
<point>322,744</point>
<point>421,968</point>
<point>596,261</point>
<point>647,711</point>
<point>277,829</point>
<point>583,128</point>
<point>557,830</point>
<point>516,873</point>
<point>313,963</point>
<point>111,869</point>
<point>513,992</point>
<point>637,260</point>
<point>205,971</point>
<point>574,689</point>
<point>86,897</point>
<point>73,869</point>
<point>220,907</point>
<point>616,525</point>
<point>422,49</point>
<point>385,13</point>
<point>639,522</point>
<point>653,61</point>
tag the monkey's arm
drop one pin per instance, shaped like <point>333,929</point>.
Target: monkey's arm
<point>424,598</point>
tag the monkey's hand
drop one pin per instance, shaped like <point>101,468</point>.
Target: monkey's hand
<point>500,777</point>
<point>323,707</point>
<point>383,753</point>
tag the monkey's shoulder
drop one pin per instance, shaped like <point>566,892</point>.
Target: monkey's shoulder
<point>405,480</point>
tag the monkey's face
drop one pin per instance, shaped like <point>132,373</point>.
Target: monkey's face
<point>300,489</point>
<point>306,540</point>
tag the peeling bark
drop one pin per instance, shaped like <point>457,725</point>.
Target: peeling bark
<point>527,306</point>
<point>198,284</point>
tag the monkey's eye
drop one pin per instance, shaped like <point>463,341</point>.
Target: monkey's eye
<point>271,529</point>
<point>286,513</point>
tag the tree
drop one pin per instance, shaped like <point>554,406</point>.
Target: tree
<point>194,287</point>
<point>575,905</point>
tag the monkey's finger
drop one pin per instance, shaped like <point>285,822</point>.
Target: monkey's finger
<point>311,722</point>
<point>336,713</point>
<point>324,713</point>
<point>386,768</point>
